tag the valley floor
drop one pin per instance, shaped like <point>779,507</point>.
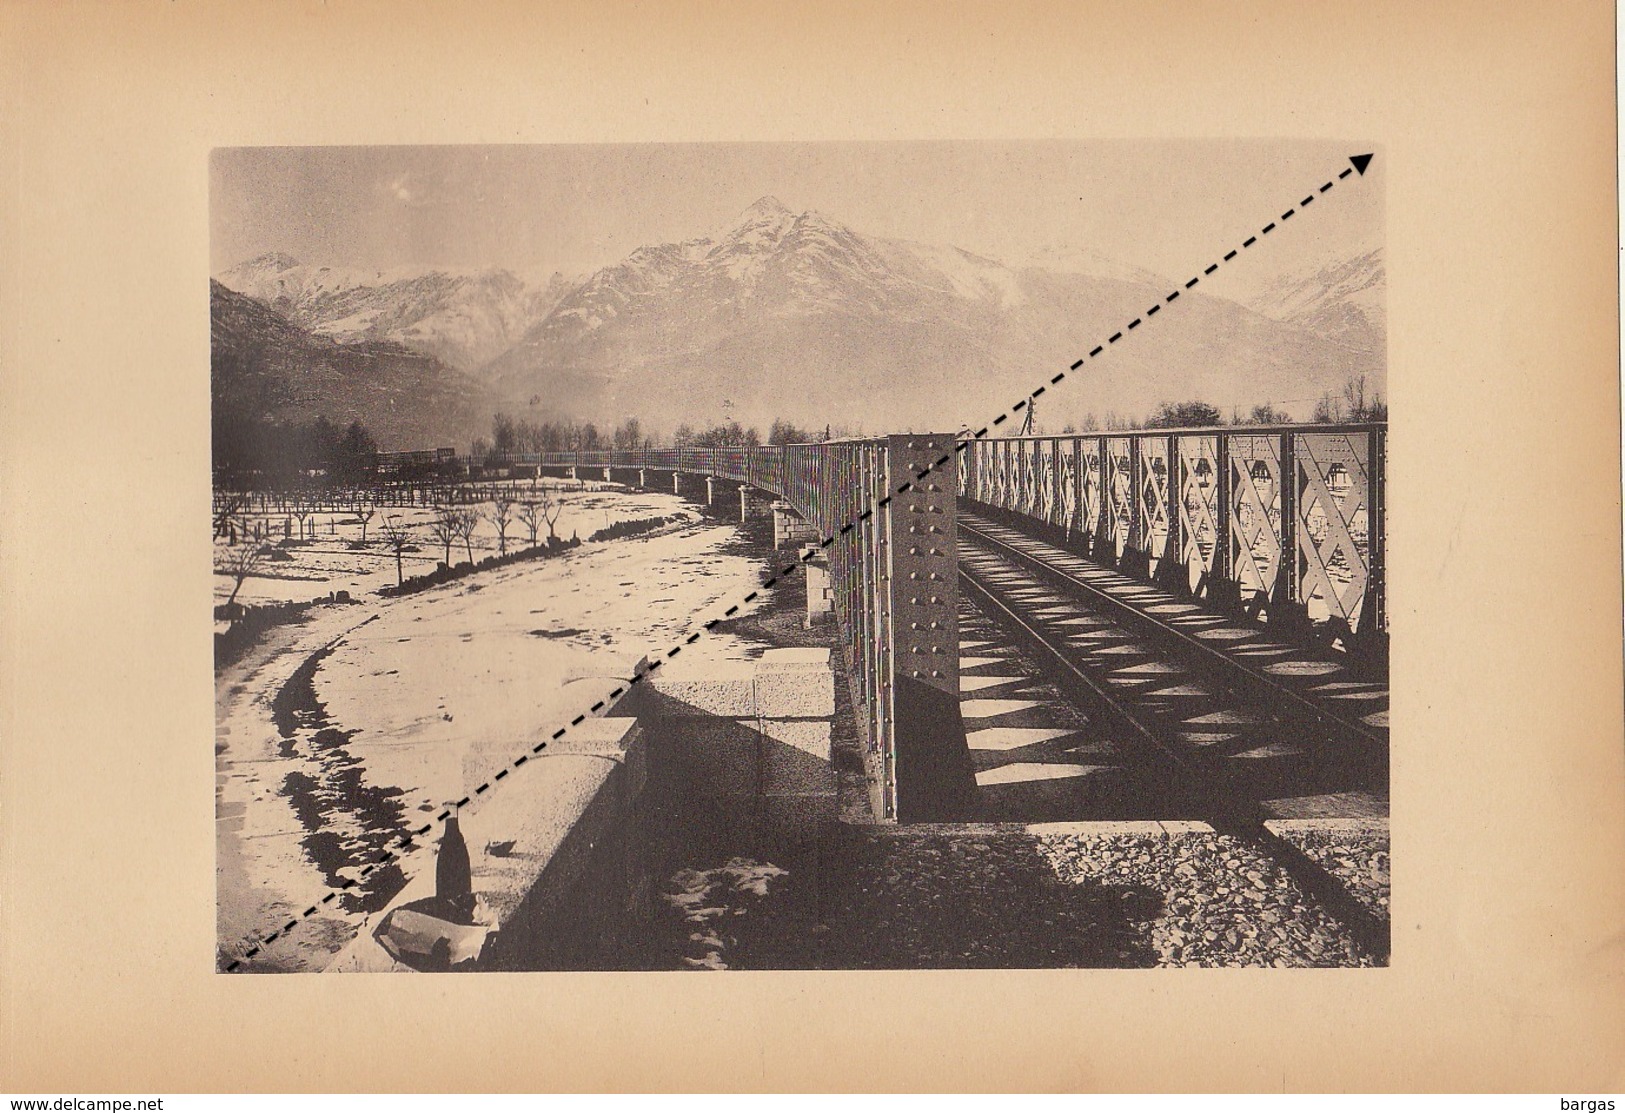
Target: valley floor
<point>336,735</point>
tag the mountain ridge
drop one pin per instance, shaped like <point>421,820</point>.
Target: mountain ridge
<point>795,315</point>
<point>797,312</point>
<point>462,316</point>
<point>265,369</point>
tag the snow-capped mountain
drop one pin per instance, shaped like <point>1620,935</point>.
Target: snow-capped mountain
<point>795,315</point>
<point>1344,300</point>
<point>798,316</point>
<point>464,318</point>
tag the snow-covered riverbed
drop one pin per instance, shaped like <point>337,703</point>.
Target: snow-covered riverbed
<point>339,735</point>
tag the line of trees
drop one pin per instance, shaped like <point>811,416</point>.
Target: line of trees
<point>288,454</point>
<point>510,434</point>
<point>1355,402</point>
<point>453,525</point>
<point>517,435</point>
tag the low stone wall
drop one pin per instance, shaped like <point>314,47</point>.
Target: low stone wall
<point>561,868</point>
<point>534,843</point>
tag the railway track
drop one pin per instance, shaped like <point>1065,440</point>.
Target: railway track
<point>1233,727</point>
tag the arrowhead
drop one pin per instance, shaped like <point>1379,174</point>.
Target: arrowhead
<point>1360,163</point>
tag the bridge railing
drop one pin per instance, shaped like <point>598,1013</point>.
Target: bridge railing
<point>1285,523</point>
<point>893,572</point>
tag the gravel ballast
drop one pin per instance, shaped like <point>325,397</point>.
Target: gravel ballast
<point>1223,903</point>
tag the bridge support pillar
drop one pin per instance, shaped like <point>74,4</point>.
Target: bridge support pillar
<point>790,528</point>
<point>934,778</point>
<point>820,591</point>
<point>710,490</point>
<point>752,504</point>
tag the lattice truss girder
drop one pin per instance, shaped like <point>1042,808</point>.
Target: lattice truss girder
<point>1255,511</point>
<point>1333,497</point>
<point>1152,502</point>
<point>1198,502</point>
<point>1120,489</point>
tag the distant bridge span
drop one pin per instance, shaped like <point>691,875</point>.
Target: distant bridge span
<point>1285,525</point>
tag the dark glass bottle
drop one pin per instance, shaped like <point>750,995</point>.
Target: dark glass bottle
<point>453,880</point>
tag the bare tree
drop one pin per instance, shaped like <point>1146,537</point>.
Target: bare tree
<point>446,527</point>
<point>301,510</point>
<point>1363,406</point>
<point>397,536</point>
<point>365,510</point>
<point>551,509</point>
<point>227,508</point>
<point>530,515</point>
<point>240,563</point>
<point>1329,409</point>
<point>467,521</point>
<point>500,514</point>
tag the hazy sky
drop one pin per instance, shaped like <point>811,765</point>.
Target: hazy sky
<point>1167,206</point>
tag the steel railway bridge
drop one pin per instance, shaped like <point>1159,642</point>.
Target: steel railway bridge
<point>1252,558</point>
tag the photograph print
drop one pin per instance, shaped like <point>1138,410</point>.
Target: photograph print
<point>907,555</point>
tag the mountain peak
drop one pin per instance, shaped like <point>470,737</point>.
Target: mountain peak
<point>270,260</point>
<point>766,220</point>
<point>767,206</point>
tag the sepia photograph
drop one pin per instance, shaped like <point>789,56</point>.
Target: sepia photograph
<point>800,556</point>
<point>809,549</point>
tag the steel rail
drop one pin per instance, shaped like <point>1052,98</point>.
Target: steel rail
<point>1241,817</point>
<point>1213,662</point>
